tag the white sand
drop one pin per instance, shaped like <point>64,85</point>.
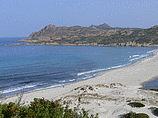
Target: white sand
<point>108,101</point>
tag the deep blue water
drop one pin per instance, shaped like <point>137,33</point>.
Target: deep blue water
<point>42,66</point>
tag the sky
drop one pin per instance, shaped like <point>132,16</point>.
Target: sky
<point>19,18</point>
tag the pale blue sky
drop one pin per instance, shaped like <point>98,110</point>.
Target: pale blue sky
<point>19,18</point>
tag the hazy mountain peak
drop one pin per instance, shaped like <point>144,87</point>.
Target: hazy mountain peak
<point>104,25</point>
<point>50,26</point>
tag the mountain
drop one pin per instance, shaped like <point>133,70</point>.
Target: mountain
<point>102,35</point>
<point>107,27</point>
<point>53,33</point>
<point>102,27</point>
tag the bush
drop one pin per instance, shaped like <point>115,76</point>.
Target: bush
<point>154,89</point>
<point>136,104</point>
<point>135,115</point>
<point>10,109</point>
<point>128,100</point>
<point>1,115</point>
<point>156,111</point>
<point>41,108</point>
<point>143,99</point>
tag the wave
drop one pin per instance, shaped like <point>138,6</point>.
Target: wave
<point>99,70</point>
<point>141,56</point>
<point>53,86</point>
<point>135,55</point>
<point>17,89</point>
<point>89,76</point>
<point>72,80</point>
<point>151,51</point>
<point>82,73</point>
<point>63,81</point>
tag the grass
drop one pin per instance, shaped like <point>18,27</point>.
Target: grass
<point>135,115</point>
<point>136,104</point>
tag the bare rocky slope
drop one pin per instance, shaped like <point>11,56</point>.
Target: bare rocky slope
<point>102,35</point>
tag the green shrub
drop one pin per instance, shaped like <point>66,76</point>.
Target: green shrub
<point>41,108</point>
<point>10,109</point>
<point>135,115</point>
<point>128,100</point>
<point>136,104</point>
<point>156,111</point>
<point>154,89</point>
<point>143,99</point>
<point>1,115</point>
<point>79,99</point>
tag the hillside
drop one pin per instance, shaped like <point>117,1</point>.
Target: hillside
<point>102,35</point>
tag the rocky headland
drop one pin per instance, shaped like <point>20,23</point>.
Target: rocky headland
<point>102,35</point>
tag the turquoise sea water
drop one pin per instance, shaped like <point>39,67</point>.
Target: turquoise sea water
<point>43,66</point>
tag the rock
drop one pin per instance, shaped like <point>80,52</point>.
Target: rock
<point>119,84</point>
<point>116,84</point>
<point>102,85</point>
<point>77,88</point>
<point>112,85</point>
<point>83,88</point>
<point>91,88</point>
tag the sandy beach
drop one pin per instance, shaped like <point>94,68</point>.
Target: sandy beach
<point>107,93</point>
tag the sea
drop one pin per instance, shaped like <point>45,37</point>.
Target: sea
<point>26,68</point>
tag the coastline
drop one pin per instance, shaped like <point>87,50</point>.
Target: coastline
<point>132,77</point>
<point>97,75</point>
<point>93,44</point>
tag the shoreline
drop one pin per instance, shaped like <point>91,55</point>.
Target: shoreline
<point>113,88</point>
<point>97,75</point>
<point>99,45</point>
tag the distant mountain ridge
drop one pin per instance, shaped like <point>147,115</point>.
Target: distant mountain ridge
<point>105,26</point>
<point>101,35</point>
<point>102,26</point>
